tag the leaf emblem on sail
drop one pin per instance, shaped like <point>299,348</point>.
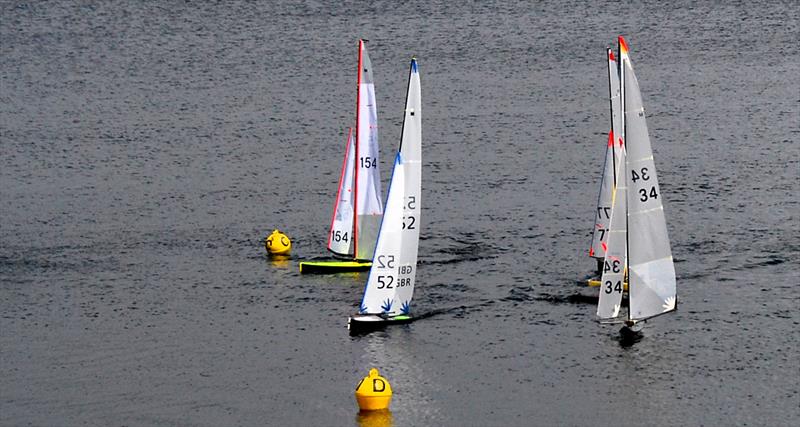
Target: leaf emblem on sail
<point>362,309</point>
<point>669,304</point>
<point>616,310</point>
<point>405,308</point>
<point>387,305</point>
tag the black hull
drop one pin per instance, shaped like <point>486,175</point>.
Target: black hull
<point>333,267</point>
<point>364,324</point>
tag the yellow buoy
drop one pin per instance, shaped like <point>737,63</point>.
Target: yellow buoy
<point>373,392</point>
<point>278,243</point>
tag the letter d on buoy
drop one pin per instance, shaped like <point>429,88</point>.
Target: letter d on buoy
<point>376,397</point>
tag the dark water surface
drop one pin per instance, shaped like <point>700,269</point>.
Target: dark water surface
<point>148,147</point>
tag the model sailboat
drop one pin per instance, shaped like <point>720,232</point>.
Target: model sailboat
<point>390,286</point>
<point>638,240</point>
<point>358,210</point>
<point>609,178</point>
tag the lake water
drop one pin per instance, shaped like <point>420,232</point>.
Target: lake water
<point>148,148</point>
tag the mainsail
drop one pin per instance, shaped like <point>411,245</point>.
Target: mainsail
<point>651,271</point>
<point>368,207</point>
<point>340,238</point>
<point>390,285</point>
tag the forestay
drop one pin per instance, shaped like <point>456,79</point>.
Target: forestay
<point>652,289</point>
<point>368,184</point>
<point>390,285</point>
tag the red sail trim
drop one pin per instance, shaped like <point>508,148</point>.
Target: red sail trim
<point>341,184</point>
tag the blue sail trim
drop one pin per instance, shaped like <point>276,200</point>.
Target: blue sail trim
<point>398,160</point>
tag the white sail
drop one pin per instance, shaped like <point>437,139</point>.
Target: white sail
<point>603,211</point>
<point>613,277</point>
<point>615,103</point>
<point>369,209</point>
<point>390,285</point>
<point>608,179</point>
<point>340,238</point>
<point>652,285</point>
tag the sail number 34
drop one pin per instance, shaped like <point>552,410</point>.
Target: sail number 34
<point>644,194</point>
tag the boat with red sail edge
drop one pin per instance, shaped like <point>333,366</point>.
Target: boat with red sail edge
<point>358,209</point>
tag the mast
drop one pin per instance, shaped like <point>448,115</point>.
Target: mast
<point>622,49</point>
<point>610,58</point>
<point>613,272</point>
<point>357,152</point>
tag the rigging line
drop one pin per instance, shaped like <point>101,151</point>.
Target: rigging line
<point>642,159</point>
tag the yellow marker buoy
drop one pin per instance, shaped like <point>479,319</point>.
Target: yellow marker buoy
<point>278,243</point>
<point>373,392</point>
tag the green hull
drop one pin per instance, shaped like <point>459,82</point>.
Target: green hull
<point>333,266</point>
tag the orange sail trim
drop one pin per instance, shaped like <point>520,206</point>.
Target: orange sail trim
<point>611,138</point>
<point>623,47</point>
<point>611,55</point>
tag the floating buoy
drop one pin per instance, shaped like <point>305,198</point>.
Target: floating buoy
<point>373,392</point>
<point>278,243</point>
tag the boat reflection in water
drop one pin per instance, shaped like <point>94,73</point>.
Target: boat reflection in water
<point>414,386</point>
